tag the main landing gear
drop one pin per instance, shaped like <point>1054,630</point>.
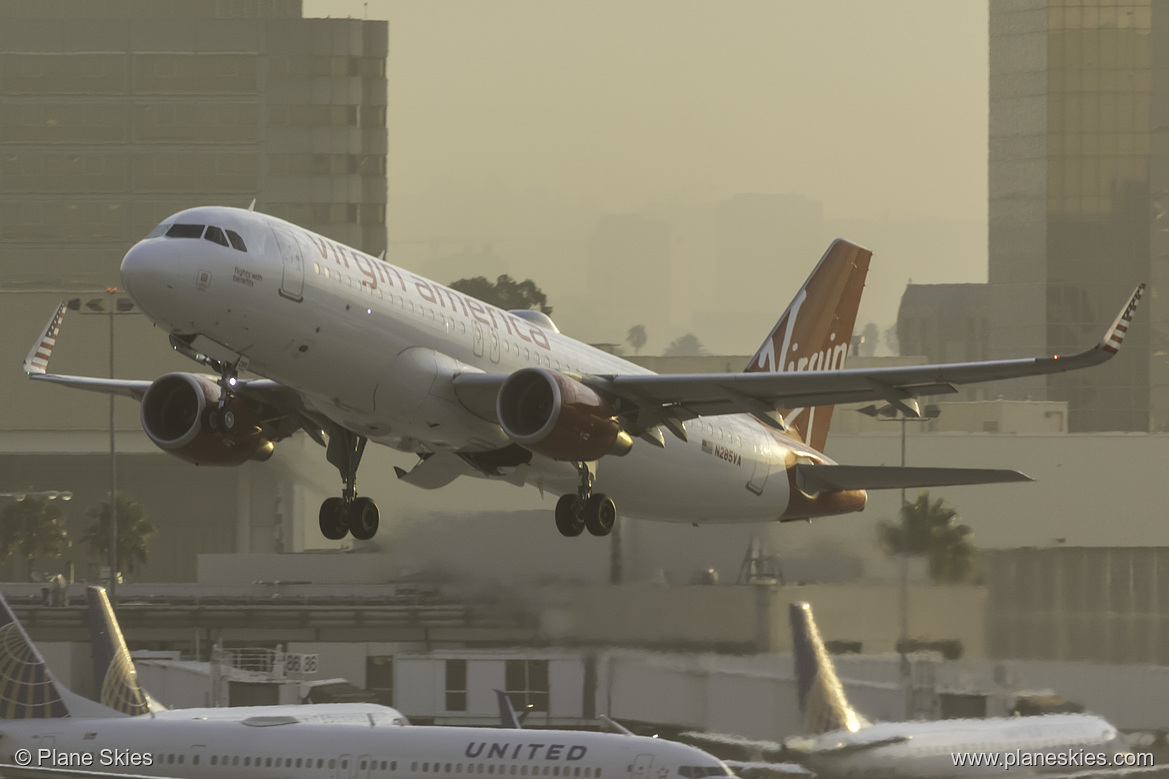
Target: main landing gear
<point>596,512</point>
<point>348,513</point>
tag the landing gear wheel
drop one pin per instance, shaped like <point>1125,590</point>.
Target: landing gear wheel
<point>217,420</point>
<point>362,517</point>
<point>332,519</point>
<point>600,513</point>
<point>568,515</point>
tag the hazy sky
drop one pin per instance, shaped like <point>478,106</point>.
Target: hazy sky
<point>873,108</point>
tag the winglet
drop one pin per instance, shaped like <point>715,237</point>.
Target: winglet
<point>37,360</point>
<point>1115,335</point>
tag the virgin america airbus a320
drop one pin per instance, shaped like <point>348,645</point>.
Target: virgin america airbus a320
<point>352,349</point>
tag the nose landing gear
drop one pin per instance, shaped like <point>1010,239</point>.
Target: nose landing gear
<point>585,510</point>
<point>348,513</point>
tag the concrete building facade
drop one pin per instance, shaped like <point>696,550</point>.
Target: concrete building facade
<point>1079,171</point>
<point>119,114</point>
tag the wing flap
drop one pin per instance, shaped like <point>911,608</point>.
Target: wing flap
<point>819,478</point>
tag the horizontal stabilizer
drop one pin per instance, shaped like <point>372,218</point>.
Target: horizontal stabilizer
<point>864,746</point>
<point>819,478</point>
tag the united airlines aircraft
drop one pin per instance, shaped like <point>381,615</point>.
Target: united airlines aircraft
<point>47,731</point>
<point>352,349</point>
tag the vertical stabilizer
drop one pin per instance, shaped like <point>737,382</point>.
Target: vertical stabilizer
<point>815,331</point>
<point>27,687</point>
<point>114,676</point>
<point>821,695</point>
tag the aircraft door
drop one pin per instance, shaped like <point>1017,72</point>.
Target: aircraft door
<point>762,462</point>
<point>641,766</point>
<point>364,767</point>
<point>494,353</point>
<point>346,767</point>
<point>292,282</point>
<point>477,338</point>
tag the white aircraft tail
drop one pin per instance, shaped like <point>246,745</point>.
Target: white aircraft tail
<point>821,696</point>
<point>114,676</point>
<point>28,689</point>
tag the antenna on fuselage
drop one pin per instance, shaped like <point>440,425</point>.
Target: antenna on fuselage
<point>382,256</point>
<point>252,207</point>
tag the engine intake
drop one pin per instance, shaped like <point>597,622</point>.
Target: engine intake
<point>175,417</point>
<point>558,417</point>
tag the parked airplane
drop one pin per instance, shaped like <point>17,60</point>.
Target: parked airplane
<point>844,744</point>
<point>355,349</point>
<point>48,731</point>
<point>117,687</point>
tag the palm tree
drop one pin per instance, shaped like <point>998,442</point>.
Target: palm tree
<point>134,533</point>
<point>932,529</point>
<point>32,528</point>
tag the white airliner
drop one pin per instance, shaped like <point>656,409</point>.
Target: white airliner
<point>116,684</point>
<point>844,744</point>
<point>47,731</point>
<point>354,349</point>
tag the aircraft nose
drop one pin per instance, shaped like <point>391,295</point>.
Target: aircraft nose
<point>135,268</point>
<point>146,271</point>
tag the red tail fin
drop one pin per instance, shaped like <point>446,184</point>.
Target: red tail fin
<point>815,331</point>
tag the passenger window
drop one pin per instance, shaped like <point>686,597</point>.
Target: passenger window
<point>184,231</point>
<point>237,243</point>
<point>215,235</point>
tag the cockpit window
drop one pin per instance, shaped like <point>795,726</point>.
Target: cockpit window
<point>215,234</point>
<point>236,241</point>
<point>159,230</point>
<point>184,231</point>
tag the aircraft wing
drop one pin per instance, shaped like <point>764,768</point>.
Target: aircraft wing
<point>286,403</point>
<point>725,393</point>
<point>654,399</point>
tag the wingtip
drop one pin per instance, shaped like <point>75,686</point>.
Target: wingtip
<point>36,362</point>
<point>1115,335</point>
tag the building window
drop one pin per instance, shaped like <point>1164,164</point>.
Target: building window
<point>456,685</point>
<point>527,684</point>
<point>379,678</point>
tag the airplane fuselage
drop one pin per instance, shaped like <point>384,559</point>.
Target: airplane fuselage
<point>264,747</point>
<point>904,750</point>
<point>368,345</point>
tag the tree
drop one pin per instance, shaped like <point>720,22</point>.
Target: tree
<point>932,530</point>
<point>134,533</point>
<point>685,346</point>
<point>868,346</point>
<point>505,293</point>
<point>636,337</point>
<point>32,528</point>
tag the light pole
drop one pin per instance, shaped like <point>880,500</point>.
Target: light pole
<point>96,306</point>
<point>890,413</point>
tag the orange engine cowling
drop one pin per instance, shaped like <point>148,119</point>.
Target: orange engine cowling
<point>559,417</point>
<point>174,418</point>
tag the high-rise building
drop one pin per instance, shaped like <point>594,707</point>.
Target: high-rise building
<point>113,115</point>
<point>117,114</point>
<point>1079,198</point>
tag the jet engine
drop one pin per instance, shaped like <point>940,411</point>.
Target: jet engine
<point>559,417</point>
<point>181,415</point>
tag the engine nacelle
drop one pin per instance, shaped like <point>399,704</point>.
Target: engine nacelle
<point>559,417</point>
<point>175,419</point>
